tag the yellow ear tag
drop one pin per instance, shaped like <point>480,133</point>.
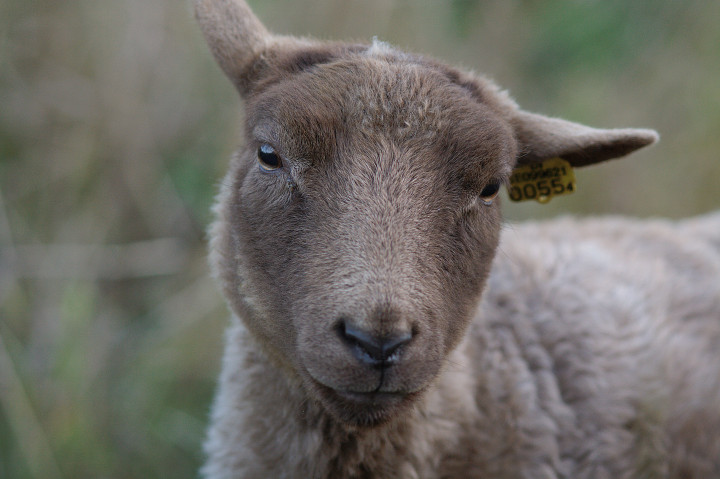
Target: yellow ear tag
<point>541,181</point>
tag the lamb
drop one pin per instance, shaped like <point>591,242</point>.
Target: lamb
<point>386,325</point>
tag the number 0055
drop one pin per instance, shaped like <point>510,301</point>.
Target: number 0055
<point>540,189</point>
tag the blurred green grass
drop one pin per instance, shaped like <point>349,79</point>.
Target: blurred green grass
<point>116,126</point>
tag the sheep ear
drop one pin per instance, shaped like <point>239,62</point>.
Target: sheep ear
<point>541,137</point>
<point>235,35</point>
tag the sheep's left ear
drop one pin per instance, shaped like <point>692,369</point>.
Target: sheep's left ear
<point>235,35</point>
<point>541,137</point>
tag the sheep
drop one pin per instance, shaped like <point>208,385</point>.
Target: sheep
<point>386,325</point>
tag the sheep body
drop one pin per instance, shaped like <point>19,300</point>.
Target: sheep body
<point>384,323</point>
<point>593,354</point>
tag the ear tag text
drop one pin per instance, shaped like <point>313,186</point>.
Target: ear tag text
<point>541,181</point>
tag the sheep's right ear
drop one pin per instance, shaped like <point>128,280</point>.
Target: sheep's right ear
<point>235,36</point>
<point>541,137</point>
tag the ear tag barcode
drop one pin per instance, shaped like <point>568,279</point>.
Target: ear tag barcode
<point>541,181</point>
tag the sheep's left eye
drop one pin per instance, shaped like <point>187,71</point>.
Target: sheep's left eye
<point>489,193</point>
<point>268,159</point>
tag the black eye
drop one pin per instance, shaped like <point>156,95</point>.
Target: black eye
<point>267,158</point>
<point>489,193</point>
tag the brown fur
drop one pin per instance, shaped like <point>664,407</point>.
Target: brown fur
<point>375,220</point>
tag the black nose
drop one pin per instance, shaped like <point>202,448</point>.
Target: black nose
<point>377,351</point>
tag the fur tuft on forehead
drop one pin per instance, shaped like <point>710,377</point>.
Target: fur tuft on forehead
<point>379,48</point>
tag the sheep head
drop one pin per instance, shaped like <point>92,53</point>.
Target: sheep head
<point>357,225</point>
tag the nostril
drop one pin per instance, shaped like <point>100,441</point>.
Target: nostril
<point>373,349</point>
<point>393,343</point>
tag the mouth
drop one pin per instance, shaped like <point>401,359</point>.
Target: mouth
<point>370,399</point>
<point>363,409</point>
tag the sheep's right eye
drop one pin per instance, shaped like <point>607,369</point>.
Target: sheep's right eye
<point>268,159</point>
<point>489,193</point>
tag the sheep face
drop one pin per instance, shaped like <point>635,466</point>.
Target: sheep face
<point>362,218</point>
<point>357,226</point>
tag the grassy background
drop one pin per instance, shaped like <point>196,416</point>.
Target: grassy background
<point>115,127</point>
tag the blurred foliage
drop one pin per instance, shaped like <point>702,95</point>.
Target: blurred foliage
<point>115,127</point>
